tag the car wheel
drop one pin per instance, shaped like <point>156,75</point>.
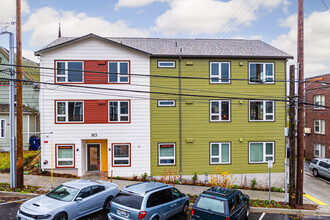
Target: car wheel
<point>315,172</point>
<point>61,216</point>
<point>247,213</point>
<point>155,218</point>
<point>106,206</point>
<point>185,208</point>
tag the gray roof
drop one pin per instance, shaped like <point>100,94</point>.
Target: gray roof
<point>166,47</point>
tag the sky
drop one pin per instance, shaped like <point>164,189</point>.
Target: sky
<point>272,21</point>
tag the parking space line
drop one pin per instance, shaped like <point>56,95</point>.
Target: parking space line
<point>315,200</point>
<point>5,203</point>
<point>261,217</point>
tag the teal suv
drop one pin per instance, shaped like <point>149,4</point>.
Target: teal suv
<point>221,203</point>
<point>148,200</point>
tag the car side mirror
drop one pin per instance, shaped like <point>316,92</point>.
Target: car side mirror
<point>78,199</point>
<point>183,194</point>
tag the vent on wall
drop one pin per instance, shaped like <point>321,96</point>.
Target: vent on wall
<point>308,130</point>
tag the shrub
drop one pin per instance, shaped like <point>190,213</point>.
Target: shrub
<point>194,178</point>
<point>274,189</point>
<point>18,190</point>
<point>288,207</point>
<point>9,189</point>
<point>177,182</point>
<point>265,202</point>
<point>2,188</point>
<point>195,196</point>
<point>235,187</point>
<point>117,177</point>
<point>278,206</point>
<point>255,204</point>
<point>170,176</point>
<point>144,176</point>
<point>223,178</point>
<point>253,183</point>
<point>188,194</point>
<point>31,190</point>
<point>272,202</point>
<point>263,205</point>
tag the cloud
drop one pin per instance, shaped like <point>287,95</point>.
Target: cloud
<point>8,12</point>
<point>44,26</point>
<point>29,54</point>
<point>316,44</point>
<point>211,16</point>
<point>133,3</point>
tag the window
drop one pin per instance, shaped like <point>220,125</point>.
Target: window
<point>65,155</point>
<point>219,110</point>
<point>261,72</point>
<point>85,192</point>
<point>319,126</point>
<point>319,100</point>
<point>97,189</point>
<point>166,64</point>
<point>121,155</point>
<point>261,110</point>
<point>219,72</point>
<point>69,71</point>
<point>166,103</point>
<point>261,152</point>
<point>119,111</point>
<point>176,193</point>
<point>166,154</point>
<point>131,200</point>
<point>69,111</point>
<point>220,153</point>
<point>119,72</point>
<point>211,204</point>
<point>319,150</point>
<point>2,128</point>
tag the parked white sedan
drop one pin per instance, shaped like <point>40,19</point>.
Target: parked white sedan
<point>71,200</point>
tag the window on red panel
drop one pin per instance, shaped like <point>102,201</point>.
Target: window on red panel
<point>69,71</point>
<point>118,72</point>
<point>119,111</point>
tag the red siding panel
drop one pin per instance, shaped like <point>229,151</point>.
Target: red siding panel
<point>99,66</point>
<point>96,111</point>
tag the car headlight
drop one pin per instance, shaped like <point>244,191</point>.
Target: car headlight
<point>34,216</point>
<point>43,216</point>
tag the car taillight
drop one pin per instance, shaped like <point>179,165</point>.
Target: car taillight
<point>227,218</point>
<point>142,214</point>
<point>192,211</point>
<point>110,206</point>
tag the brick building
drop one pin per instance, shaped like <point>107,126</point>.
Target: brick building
<point>317,143</point>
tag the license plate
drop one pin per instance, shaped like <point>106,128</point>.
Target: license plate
<point>122,212</point>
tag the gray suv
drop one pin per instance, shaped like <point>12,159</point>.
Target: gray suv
<point>320,166</point>
<point>148,200</point>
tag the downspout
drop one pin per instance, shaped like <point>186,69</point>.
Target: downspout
<point>180,119</point>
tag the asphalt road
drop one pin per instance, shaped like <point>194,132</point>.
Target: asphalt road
<point>8,212</point>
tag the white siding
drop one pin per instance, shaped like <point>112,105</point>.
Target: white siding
<point>137,132</point>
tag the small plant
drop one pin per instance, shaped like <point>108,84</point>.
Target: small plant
<point>253,183</point>
<point>31,190</point>
<point>195,197</point>
<point>2,189</point>
<point>263,205</point>
<point>265,202</point>
<point>177,182</point>
<point>278,206</point>
<point>235,187</point>
<point>223,178</point>
<point>134,177</point>
<point>144,176</point>
<point>9,189</point>
<point>274,189</point>
<point>271,206</point>
<point>25,191</point>
<point>255,204</point>
<point>117,177</point>
<point>170,176</point>
<point>17,190</point>
<point>288,207</point>
<point>194,178</point>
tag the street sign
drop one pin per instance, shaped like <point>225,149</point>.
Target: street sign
<point>270,164</point>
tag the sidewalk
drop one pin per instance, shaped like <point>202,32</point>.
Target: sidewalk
<point>45,183</point>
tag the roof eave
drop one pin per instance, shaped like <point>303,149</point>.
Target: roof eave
<point>88,36</point>
<point>219,56</point>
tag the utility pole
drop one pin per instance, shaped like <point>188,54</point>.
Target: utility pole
<point>292,135</point>
<point>301,119</point>
<point>19,105</point>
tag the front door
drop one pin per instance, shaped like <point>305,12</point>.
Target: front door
<point>93,157</point>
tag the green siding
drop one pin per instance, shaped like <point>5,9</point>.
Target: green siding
<point>195,117</point>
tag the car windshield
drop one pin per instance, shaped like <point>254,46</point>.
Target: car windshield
<point>63,193</point>
<point>128,199</point>
<point>211,204</point>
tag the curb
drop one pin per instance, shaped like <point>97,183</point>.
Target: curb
<point>318,178</point>
<point>30,195</point>
<point>289,211</point>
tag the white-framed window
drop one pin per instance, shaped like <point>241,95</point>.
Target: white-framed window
<point>261,152</point>
<point>69,71</point>
<point>121,155</point>
<point>69,111</point>
<point>2,128</point>
<point>166,64</point>
<point>219,72</point>
<point>166,103</point>
<point>319,100</point>
<point>65,155</point>
<point>319,126</point>
<point>319,150</point>
<point>119,111</point>
<point>166,154</point>
<point>261,73</point>
<point>119,71</point>
<point>220,153</point>
<point>261,110</point>
<point>219,110</point>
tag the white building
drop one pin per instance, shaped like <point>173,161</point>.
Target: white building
<point>89,120</point>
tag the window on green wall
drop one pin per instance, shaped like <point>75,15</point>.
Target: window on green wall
<point>261,152</point>
<point>219,72</point>
<point>219,110</point>
<point>166,154</point>
<point>261,110</point>
<point>220,153</point>
<point>261,73</point>
<point>2,128</point>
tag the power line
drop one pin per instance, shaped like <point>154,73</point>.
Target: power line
<point>159,76</point>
